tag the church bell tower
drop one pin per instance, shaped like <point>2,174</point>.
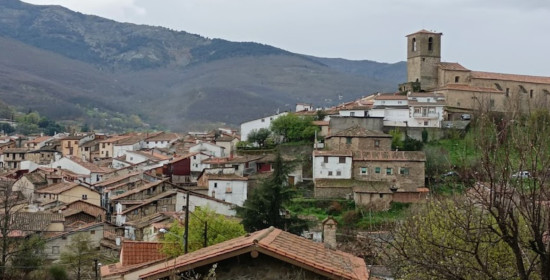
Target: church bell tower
<point>423,55</point>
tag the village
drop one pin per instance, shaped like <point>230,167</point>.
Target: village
<point>125,190</point>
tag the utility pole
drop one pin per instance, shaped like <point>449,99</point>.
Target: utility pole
<point>186,233</point>
<point>205,234</point>
<point>95,268</point>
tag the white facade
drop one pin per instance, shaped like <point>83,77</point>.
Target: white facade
<point>265,122</point>
<point>209,149</point>
<point>426,110</point>
<point>150,144</point>
<point>120,150</point>
<point>232,191</point>
<point>353,113</point>
<point>332,167</point>
<point>68,164</point>
<point>197,200</point>
<point>303,107</point>
<point>417,110</point>
<point>196,162</point>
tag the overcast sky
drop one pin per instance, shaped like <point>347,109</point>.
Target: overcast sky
<point>508,36</point>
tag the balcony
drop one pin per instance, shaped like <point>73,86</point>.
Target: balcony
<point>425,115</point>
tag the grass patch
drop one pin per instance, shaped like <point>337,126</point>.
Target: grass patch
<point>378,220</point>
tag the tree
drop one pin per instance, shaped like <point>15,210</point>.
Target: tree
<point>218,229</point>
<point>29,256</point>
<point>79,255</point>
<point>294,128</point>
<point>500,228</point>
<point>259,136</point>
<point>265,206</point>
<point>10,225</point>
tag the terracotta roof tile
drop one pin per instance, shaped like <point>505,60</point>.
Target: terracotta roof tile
<point>452,66</point>
<point>424,31</point>
<point>58,188</point>
<point>226,177</point>
<point>279,244</point>
<point>342,153</point>
<point>510,77</point>
<point>136,252</point>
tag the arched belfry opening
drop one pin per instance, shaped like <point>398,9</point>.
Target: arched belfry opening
<point>414,44</point>
<point>431,44</point>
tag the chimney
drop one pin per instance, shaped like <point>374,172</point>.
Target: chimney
<point>329,232</point>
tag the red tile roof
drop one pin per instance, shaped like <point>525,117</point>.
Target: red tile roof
<point>424,31</point>
<point>510,77</point>
<point>136,252</point>
<point>58,188</point>
<point>452,66</point>
<point>278,244</point>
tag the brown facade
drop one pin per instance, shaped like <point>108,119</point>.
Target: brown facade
<point>356,144</point>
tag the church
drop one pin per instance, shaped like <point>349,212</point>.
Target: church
<point>465,90</point>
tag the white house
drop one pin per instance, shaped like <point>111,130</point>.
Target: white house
<point>332,164</point>
<point>393,108</point>
<point>79,166</point>
<point>256,124</point>
<point>303,107</point>
<point>209,149</point>
<point>426,109</point>
<point>228,187</point>
<point>127,144</point>
<point>197,164</point>
<point>162,140</point>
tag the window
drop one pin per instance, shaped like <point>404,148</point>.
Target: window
<point>92,231</point>
<point>507,92</point>
<point>417,110</point>
<point>430,44</point>
<point>404,171</point>
<point>341,159</point>
<point>84,196</point>
<point>364,171</point>
<point>348,140</point>
<point>55,250</point>
<point>325,159</point>
<point>414,44</point>
<point>377,170</point>
<point>376,143</point>
<point>381,195</point>
<point>492,103</point>
<point>457,78</point>
<point>215,185</point>
<point>76,142</point>
<point>389,171</point>
<point>330,173</point>
<point>425,123</point>
<point>352,114</point>
<point>338,173</point>
<point>263,120</point>
<point>531,93</point>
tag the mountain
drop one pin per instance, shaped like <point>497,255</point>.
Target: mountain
<point>70,66</point>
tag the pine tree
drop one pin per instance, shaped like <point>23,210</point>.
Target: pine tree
<point>265,206</point>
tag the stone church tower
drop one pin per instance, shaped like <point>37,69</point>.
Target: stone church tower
<point>423,55</point>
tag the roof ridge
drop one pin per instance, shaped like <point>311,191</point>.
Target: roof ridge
<point>263,235</point>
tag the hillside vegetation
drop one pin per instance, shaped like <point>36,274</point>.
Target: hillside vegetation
<point>63,64</point>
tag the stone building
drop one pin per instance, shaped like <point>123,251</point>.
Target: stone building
<point>466,90</point>
<point>360,164</point>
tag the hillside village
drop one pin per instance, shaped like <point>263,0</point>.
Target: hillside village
<point>123,190</point>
